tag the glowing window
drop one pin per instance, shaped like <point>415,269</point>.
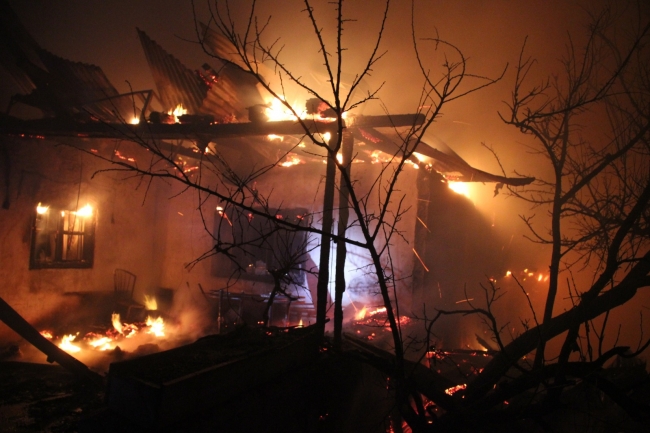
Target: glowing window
<point>62,238</point>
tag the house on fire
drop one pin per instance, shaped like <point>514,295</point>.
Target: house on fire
<point>70,217</point>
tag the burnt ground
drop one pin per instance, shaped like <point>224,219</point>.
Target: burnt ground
<point>331,393</point>
<point>43,398</point>
<point>334,393</point>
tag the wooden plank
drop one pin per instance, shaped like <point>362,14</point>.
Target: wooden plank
<point>16,322</point>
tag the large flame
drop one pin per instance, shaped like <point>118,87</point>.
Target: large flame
<point>156,326</point>
<point>277,111</point>
<point>177,112</point>
<point>461,188</point>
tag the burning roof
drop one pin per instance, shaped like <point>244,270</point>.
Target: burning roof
<point>224,94</point>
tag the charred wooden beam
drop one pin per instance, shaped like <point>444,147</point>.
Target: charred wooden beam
<point>16,322</point>
<point>50,128</point>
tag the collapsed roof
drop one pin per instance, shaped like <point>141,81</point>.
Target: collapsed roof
<point>79,100</point>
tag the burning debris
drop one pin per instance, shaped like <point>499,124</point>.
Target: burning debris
<point>109,339</point>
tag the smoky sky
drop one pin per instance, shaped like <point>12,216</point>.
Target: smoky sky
<point>489,33</point>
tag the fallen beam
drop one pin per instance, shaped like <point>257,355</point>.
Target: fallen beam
<point>16,322</point>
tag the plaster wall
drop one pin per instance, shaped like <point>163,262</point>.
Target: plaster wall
<point>126,236</point>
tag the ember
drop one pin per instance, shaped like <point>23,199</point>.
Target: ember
<point>454,389</point>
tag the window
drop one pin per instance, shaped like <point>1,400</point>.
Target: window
<point>259,244</point>
<point>62,238</point>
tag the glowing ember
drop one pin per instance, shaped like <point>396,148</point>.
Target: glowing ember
<point>461,188</point>
<point>66,343</point>
<point>454,389</point>
<point>156,326</point>
<point>150,303</point>
<point>47,334</point>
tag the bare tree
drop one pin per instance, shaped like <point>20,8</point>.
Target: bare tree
<point>590,123</point>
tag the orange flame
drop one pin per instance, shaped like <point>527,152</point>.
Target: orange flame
<point>150,303</point>
<point>156,326</point>
<point>117,324</point>
<point>66,343</point>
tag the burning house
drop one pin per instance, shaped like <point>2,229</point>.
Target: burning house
<point>87,210</point>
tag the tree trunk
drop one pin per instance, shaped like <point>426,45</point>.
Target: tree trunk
<point>347,147</point>
<point>324,262</point>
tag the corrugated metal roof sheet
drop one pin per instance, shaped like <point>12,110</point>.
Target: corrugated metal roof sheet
<point>56,85</point>
<point>223,94</point>
<point>16,47</point>
<point>86,88</point>
<point>176,84</point>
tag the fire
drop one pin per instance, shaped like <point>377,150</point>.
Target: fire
<point>117,324</point>
<point>156,326</point>
<point>461,188</point>
<point>47,334</point>
<point>41,209</point>
<point>291,159</point>
<point>361,314</point>
<point>277,111</point>
<point>101,343</point>
<point>150,303</point>
<point>134,120</point>
<point>177,112</point>
<point>66,343</point>
<point>85,211</point>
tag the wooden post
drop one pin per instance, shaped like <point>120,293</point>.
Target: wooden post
<point>16,322</point>
<point>347,146</point>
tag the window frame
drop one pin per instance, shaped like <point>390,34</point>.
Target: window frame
<point>44,231</point>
